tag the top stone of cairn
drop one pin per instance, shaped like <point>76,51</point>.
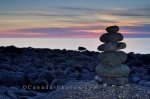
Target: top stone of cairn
<point>112,29</point>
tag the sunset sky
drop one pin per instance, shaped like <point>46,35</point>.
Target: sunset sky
<point>73,18</point>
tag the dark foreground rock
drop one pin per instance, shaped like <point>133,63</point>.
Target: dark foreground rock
<point>20,67</point>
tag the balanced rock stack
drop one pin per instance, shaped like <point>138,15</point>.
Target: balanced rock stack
<point>110,68</point>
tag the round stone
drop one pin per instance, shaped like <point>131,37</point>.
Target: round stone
<point>112,58</point>
<point>112,46</point>
<point>111,37</point>
<point>112,71</point>
<point>112,29</point>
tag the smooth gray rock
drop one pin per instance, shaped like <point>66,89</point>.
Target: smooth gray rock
<point>112,71</point>
<point>111,37</point>
<point>112,46</point>
<point>112,58</point>
<point>112,29</point>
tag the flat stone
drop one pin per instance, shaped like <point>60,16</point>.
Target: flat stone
<point>111,37</point>
<point>112,58</point>
<point>112,29</point>
<point>115,81</point>
<point>112,71</point>
<point>112,46</point>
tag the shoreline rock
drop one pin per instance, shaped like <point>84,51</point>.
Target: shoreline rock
<point>74,66</point>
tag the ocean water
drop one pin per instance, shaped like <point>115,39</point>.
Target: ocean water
<point>136,45</point>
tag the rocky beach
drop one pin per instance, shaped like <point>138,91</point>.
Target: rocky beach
<point>29,73</point>
<point>74,49</point>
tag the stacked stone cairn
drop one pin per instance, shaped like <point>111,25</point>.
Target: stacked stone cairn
<point>110,69</point>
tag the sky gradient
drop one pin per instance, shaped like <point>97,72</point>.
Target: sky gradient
<point>73,18</point>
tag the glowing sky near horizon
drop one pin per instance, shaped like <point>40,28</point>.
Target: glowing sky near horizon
<point>73,18</point>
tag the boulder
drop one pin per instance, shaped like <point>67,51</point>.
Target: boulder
<point>80,48</point>
<point>112,71</point>
<point>111,37</point>
<point>112,58</point>
<point>31,77</point>
<point>47,76</point>
<point>71,72</point>
<point>112,29</point>
<point>28,68</point>
<point>59,74</point>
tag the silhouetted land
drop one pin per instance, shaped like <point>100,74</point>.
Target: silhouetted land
<point>42,67</point>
